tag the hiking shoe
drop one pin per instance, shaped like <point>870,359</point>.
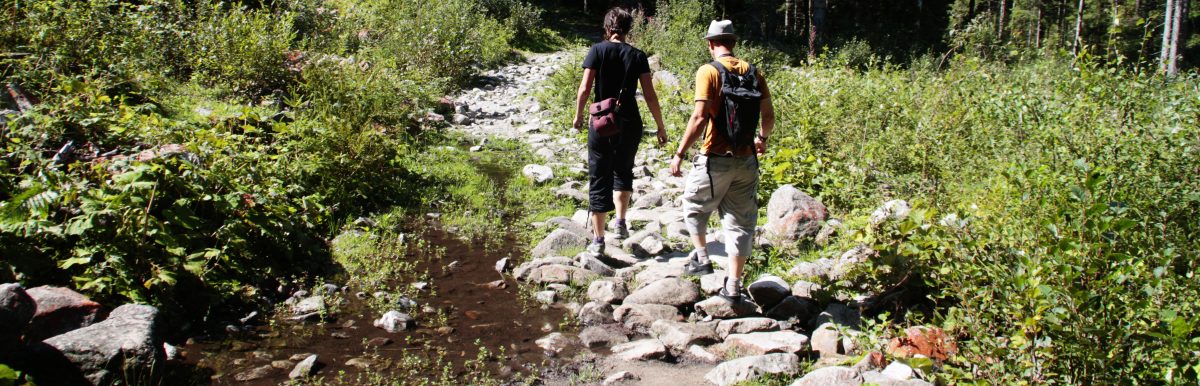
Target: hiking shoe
<point>695,267</point>
<point>620,230</point>
<point>596,248</point>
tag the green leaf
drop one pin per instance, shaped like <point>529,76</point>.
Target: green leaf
<point>68,263</point>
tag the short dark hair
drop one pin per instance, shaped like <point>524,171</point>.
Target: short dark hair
<point>617,21</point>
<point>727,42</point>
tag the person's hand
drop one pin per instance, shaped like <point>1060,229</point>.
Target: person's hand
<point>662,137</point>
<point>676,160</point>
<point>578,123</point>
<point>760,145</point>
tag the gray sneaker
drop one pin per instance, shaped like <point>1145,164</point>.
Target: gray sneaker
<point>726,293</point>
<point>620,231</point>
<point>596,248</point>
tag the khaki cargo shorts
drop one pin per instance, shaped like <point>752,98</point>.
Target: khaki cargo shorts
<point>728,184</point>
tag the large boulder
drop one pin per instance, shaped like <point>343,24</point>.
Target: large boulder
<point>745,326</point>
<point>806,289</point>
<point>125,347</point>
<point>758,343</point>
<point>831,376</point>
<point>595,313</point>
<point>720,307</point>
<point>523,271</point>
<point>603,335</point>
<point>16,310</point>
<point>679,335</point>
<point>594,264</point>
<point>60,310</point>
<point>827,340</point>
<point>712,283</point>
<point>670,291</point>
<point>793,215</point>
<point>559,273</point>
<point>558,241</point>
<point>743,369</point>
<point>639,317</point>
<point>640,350</point>
<point>768,291</point>
<point>607,291</point>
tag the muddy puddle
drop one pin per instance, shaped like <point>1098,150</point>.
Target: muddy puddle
<point>469,307</point>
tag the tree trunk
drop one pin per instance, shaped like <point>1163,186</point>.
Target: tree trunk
<point>1173,59</point>
<point>1078,43</point>
<point>816,26</point>
<point>1037,38</point>
<point>1165,57</point>
<point>1000,23</point>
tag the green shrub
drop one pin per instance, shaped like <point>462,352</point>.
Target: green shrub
<point>241,49</point>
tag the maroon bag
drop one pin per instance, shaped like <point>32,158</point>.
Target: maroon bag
<point>604,112</point>
<point>604,117</point>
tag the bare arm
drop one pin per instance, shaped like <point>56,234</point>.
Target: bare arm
<point>652,104</point>
<point>696,125</point>
<point>581,96</point>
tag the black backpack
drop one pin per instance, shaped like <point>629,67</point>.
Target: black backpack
<point>737,116</point>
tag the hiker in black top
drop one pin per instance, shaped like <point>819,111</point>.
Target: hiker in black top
<point>613,65</point>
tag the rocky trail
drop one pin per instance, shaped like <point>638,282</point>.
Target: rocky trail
<point>642,321</point>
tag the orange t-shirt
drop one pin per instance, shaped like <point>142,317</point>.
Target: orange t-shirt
<point>708,88</point>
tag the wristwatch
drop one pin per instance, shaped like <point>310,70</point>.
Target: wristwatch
<point>761,137</point>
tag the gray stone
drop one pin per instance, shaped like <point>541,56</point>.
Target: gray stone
<point>898,371</point>
<point>648,201</point>
<point>806,289</point>
<point>768,291</point>
<point>677,231</point>
<point>658,271</point>
<point>894,210</point>
<point>641,350</point>
<point>282,364</point>
<point>651,245</point>
<point>842,266</point>
<point>557,242</point>
<point>826,340</point>
<point>607,291</point>
<point>793,215</point>
<point>702,355</point>
<point>595,313</point>
<point>720,307</point>
<point>592,263</point>
<point>127,345</point>
<point>758,343</point>
<point>745,326</point>
<point>670,291</point>
<point>570,226</point>
<point>831,376</point>
<point>460,119</point>
<point>818,269</point>
<point>308,305</point>
<point>555,343</point>
<point>573,194</point>
<point>503,265</point>
<point>639,317</point>
<point>523,271</point>
<point>259,372</point>
<point>60,310</point>
<point>304,368</point>
<point>827,231</point>
<point>878,379</point>
<point>602,336</point>
<point>559,273</point>
<point>620,377</point>
<point>743,369</point>
<point>546,297</point>
<point>16,310</point>
<point>679,335</point>
<point>794,308</point>
<point>537,173</point>
<point>395,321</point>
<point>712,283</point>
